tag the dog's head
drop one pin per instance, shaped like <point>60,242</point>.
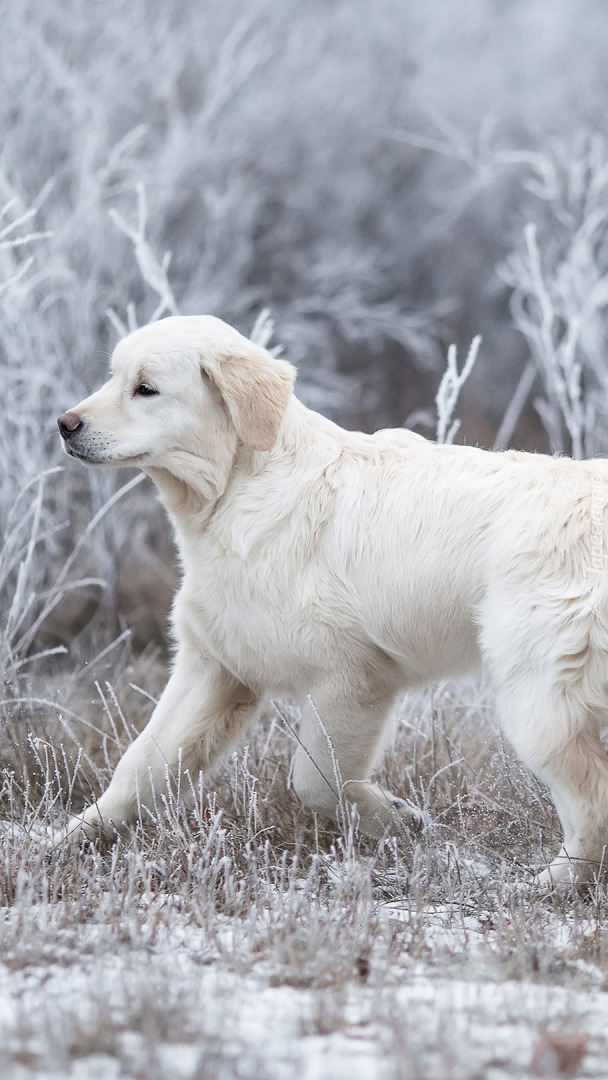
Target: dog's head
<point>183,388</point>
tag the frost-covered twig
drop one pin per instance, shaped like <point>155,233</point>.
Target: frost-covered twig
<point>240,55</point>
<point>262,331</point>
<point>154,273</point>
<point>12,271</point>
<point>449,390</point>
<point>554,342</point>
<point>516,406</point>
<point>559,277</point>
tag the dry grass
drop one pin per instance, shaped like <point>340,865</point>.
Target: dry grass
<point>245,895</point>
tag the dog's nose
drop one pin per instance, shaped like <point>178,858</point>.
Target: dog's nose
<point>68,423</point>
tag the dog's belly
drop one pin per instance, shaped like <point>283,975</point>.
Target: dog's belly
<point>446,644</point>
<point>285,634</point>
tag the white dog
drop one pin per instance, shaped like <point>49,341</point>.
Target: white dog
<point>345,568</point>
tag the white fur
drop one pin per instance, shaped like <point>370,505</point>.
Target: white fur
<point>349,567</point>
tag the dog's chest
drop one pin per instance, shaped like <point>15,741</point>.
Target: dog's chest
<point>251,614</point>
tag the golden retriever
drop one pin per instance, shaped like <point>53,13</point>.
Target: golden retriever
<point>344,568</point>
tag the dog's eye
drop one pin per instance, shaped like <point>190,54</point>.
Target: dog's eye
<point>143,390</point>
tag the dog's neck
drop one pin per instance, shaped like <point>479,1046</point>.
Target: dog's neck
<point>192,487</point>
<point>191,484</point>
<point>186,489</point>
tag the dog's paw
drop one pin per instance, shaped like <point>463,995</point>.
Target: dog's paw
<point>552,878</point>
<point>75,833</point>
<point>565,875</point>
<point>408,815</point>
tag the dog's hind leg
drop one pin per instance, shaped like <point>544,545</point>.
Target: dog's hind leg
<point>557,736</point>
<point>340,742</point>
<point>199,715</point>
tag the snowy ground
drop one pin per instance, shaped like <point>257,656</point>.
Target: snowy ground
<point>160,999</point>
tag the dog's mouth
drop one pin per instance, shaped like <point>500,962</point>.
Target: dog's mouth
<point>88,457</point>
<point>84,456</point>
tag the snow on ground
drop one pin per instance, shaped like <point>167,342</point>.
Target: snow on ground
<point>179,1008</point>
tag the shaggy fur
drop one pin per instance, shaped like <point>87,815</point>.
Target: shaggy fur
<point>345,568</point>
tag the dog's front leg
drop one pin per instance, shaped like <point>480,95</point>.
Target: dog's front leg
<point>201,711</point>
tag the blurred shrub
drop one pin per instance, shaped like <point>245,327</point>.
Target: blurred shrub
<point>361,169</point>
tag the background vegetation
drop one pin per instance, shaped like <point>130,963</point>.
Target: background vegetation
<point>386,179</point>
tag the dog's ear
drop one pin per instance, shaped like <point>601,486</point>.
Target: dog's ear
<point>256,388</point>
